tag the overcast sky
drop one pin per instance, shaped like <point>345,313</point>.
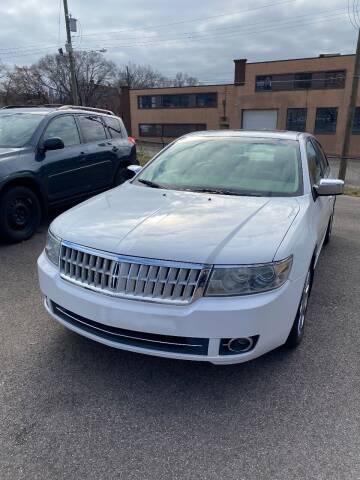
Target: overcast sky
<point>198,37</point>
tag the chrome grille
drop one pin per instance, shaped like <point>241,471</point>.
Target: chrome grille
<point>132,277</point>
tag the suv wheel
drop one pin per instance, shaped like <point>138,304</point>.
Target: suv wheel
<point>297,331</point>
<point>20,214</point>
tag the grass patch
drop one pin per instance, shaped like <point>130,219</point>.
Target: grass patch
<point>353,191</point>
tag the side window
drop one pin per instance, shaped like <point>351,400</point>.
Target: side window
<point>314,163</point>
<point>114,127</point>
<point>92,128</point>
<point>323,160</point>
<point>65,128</point>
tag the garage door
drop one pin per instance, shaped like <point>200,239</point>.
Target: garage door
<point>259,119</point>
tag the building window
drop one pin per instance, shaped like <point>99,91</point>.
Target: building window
<point>263,83</point>
<point>302,81</point>
<point>175,101</point>
<point>150,130</point>
<point>326,120</point>
<point>206,100</point>
<point>169,129</point>
<point>182,100</point>
<point>335,79</point>
<point>296,119</point>
<point>356,123</point>
<point>148,101</point>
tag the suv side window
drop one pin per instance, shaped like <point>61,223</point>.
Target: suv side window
<point>92,128</point>
<point>65,128</point>
<point>315,170</point>
<point>114,127</point>
<point>323,160</point>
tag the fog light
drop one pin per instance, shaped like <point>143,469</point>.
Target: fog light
<point>234,346</point>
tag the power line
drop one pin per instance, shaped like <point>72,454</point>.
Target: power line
<point>161,25</point>
<point>282,24</point>
<point>190,35</point>
<point>286,24</point>
<point>235,27</point>
<point>198,18</point>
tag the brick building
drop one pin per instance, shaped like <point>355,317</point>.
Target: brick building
<point>307,94</point>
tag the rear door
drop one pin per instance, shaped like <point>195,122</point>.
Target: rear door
<point>259,119</point>
<point>99,163</point>
<point>60,168</point>
<point>125,151</point>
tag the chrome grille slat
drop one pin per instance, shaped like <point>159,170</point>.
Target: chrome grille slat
<point>132,277</point>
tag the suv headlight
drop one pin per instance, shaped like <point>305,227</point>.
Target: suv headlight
<point>52,248</point>
<point>248,279</point>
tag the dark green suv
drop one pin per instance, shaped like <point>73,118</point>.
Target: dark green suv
<point>51,156</point>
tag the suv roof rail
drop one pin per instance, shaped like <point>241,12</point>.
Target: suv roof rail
<point>47,105</point>
<point>90,109</point>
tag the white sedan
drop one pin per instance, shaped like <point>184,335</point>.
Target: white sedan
<point>208,253</point>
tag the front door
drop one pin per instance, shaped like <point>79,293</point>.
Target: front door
<point>62,168</point>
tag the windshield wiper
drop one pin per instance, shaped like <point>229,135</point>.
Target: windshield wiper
<point>149,183</point>
<point>232,192</point>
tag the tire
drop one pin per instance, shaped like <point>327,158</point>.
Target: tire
<point>20,214</point>
<point>122,176</point>
<point>329,230</point>
<point>297,330</point>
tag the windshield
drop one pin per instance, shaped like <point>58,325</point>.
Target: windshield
<point>16,129</point>
<point>232,165</point>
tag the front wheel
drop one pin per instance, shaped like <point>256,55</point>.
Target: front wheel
<point>20,214</point>
<point>297,331</point>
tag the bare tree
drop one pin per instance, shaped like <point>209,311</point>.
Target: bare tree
<point>140,76</point>
<point>22,85</point>
<point>99,80</point>
<point>93,73</point>
<point>184,80</point>
<point>144,76</point>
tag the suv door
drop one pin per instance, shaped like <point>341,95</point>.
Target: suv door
<point>99,161</point>
<point>322,206</point>
<point>125,150</point>
<point>61,168</point>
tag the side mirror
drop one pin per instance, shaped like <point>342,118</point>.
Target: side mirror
<point>54,143</point>
<point>134,170</point>
<point>329,186</point>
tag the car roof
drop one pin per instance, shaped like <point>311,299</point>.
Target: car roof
<point>280,134</point>
<point>39,110</point>
<point>48,109</point>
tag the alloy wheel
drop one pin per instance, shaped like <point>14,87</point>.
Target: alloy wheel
<point>304,303</point>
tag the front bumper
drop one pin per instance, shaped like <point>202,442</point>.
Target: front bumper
<point>268,316</point>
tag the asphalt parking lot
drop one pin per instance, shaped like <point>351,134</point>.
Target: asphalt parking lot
<point>74,409</point>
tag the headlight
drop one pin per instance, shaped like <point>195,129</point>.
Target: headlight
<point>52,248</point>
<point>248,279</point>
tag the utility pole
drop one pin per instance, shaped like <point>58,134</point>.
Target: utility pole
<point>350,113</point>
<point>74,90</point>
<point>127,76</point>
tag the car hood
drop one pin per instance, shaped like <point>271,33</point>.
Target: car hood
<point>177,225</point>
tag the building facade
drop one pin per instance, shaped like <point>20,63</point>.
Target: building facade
<point>308,94</point>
